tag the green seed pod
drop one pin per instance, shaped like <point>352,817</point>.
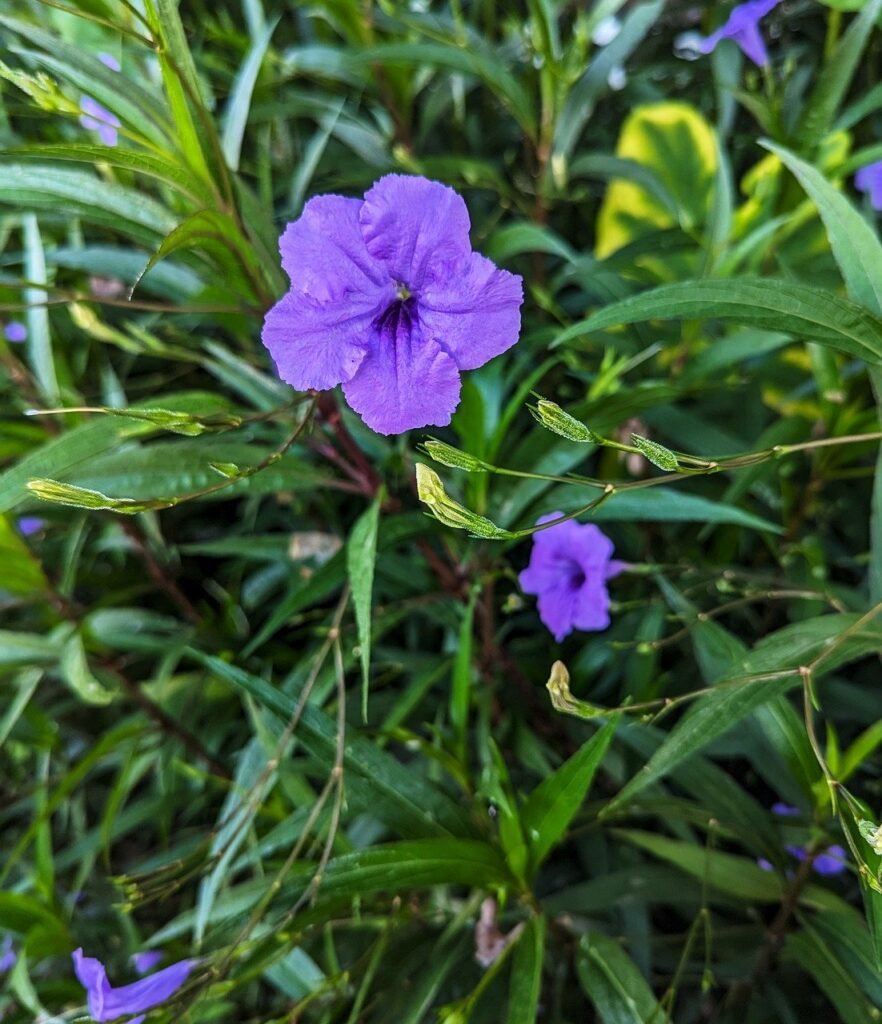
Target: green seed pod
<point>553,418</point>
<point>656,453</point>
<point>447,455</point>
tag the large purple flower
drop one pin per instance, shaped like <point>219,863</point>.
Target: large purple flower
<point>388,299</point>
<point>743,28</point>
<point>568,570</point>
<point>108,1003</point>
<point>869,179</point>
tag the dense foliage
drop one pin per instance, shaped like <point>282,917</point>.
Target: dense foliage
<point>273,698</point>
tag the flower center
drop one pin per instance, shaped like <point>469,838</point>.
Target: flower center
<point>400,314</point>
<point>402,291</point>
<point>576,576</point>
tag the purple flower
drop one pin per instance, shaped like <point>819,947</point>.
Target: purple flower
<point>568,569</point>
<point>147,960</point>
<point>388,299</point>
<point>743,28</point>
<point>99,119</point>
<point>8,956</point>
<point>109,61</point>
<point>29,525</point>
<point>785,810</point>
<point>869,179</point>
<point>107,1003</point>
<point>15,331</point>
<point>833,861</point>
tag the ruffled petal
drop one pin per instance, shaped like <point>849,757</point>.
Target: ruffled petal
<point>318,344</point>
<point>324,254</point>
<point>592,605</point>
<point>593,549</point>
<point>415,228</point>
<point>558,610</point>
<point>474,311</point>
<point>405,381</point>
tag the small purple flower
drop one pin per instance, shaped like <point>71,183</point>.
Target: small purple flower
<point>145,961</point>
<point>869,179</point>
<point>15,331</point>
<point>107,1003</point>
<point>29,525</point>
<point>765,864</point>
<point>98,118</point>
<point>568,570</point>
<point>785,810</point>
<point>388,299</point>
<point>743,28</point>
<point>109,61</point>
<point>833,861</point>
<point>8,956</point>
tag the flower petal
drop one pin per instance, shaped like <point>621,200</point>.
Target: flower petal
<point>318,344</point>
<point>474,312</point>
<point>751,41</point>
<point>558,609</point>
<point>324,254</point>
<point>107,1003</point>
<point>414,227</point>
<point>592,606</point>
<point>593,549</point>
<point>405,381</point>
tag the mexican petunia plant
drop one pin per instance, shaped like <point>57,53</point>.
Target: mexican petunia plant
<point>440,512</point>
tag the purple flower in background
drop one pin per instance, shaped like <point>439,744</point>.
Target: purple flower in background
<point>785,810</point>
<point>388,299</point>
<point>743,28</point>
<point>109,61</point>
<point>15,331</point>
<point>568,570</point>
<point>147,960</point>
<point>8,956</point>
<point>99,119</point>
<point>869,179</point>
<point>107,1003</point>
<point>833,861</point>
<point>29,525</point>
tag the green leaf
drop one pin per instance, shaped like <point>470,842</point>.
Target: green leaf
<point>39,343</point>
<point>819,962</point>
<point>835,77</point>
<point>748,687</point>
<point>554,803</point>
<point>658,504</point>
<point>481,63</point>
<point>239,103</point>
<point>855,244</point>
<point>34,185</point>
<point>799,310</point>
<point>361,556</point>
<point>726,872</point>
<point>22,573</point>
<point>393,792</point>
<point>74,666</point>
<point>613,983</point>
<point>525,988</point>
<point>81,444</point>
<point>152,165</point>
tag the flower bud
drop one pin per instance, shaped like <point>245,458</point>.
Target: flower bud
<point>656,453</point>
<point>447,455</point>
<point>430,490</point>
<point>553,418</point>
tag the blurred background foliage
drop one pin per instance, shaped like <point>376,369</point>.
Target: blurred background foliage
<point>259,708</point>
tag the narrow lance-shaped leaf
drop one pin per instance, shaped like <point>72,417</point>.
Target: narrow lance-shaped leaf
<point>361,556</point>
<point>555,802</point>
